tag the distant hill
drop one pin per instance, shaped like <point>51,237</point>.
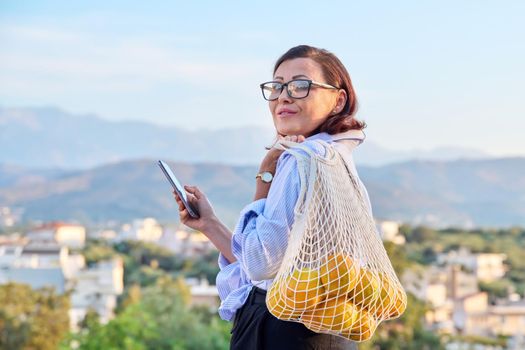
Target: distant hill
<point>464,192</point>
<point>458,193</point>
<point>123,191</point>
<point>53,138</point>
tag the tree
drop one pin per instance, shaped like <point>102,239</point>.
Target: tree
<point>206,266</point>
<point>160,319</point>
<point>32,319</point>
<point>96,250</point>
<point>422,234</point>
<point>406,332</point>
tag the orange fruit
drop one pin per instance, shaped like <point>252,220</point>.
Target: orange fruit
<point>277,306</point>
<point>303,289</point>
<point>385,301</point>
<point>400,304</point>
<point>367,289</point>
<point>339,275</point>
<point>333,314</point>
<point>363,328</point>
<point>391,301</point>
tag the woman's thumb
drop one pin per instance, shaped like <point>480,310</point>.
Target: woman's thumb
<point>194,191</point>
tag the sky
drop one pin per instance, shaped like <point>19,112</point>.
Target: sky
<point>427,73</point>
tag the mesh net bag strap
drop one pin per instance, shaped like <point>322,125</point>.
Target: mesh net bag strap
<point>335,276</point>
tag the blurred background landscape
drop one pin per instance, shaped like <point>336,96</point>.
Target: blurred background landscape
<point>92,255</point>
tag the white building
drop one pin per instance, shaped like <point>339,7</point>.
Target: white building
<point>441,287</point>
<point>389,231</point>
<point>474,316</point>
<point>202,293</point>
<point>103,234</point>
<point>69,235</point>
<point>437,284</point>
<point>43,255</point>
<point>186,243</point>
<point>10,254</point>
<point>486,266</point>
<point>36,278</point>
<point>460,283</point>
<point>469,311</point>
<point>72,265</point>
<point>43,262</point>
<point>508,318</point>
<point>97,288</point>
<point>147,230</point>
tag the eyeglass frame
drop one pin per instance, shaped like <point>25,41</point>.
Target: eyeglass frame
<point>310,83</point>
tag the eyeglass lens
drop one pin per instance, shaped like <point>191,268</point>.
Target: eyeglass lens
<point>295,89</point>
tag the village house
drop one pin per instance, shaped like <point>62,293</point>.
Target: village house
<point>485,266</point>
<point>63,234</point>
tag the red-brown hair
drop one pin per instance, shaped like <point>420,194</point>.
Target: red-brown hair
<point>335,73</point>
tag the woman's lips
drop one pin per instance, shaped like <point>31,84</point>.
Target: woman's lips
<point>286,113</point>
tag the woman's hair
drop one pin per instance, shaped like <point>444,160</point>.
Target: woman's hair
<point>335,74</point>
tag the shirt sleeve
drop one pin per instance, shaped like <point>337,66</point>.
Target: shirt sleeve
<point>261,236</point>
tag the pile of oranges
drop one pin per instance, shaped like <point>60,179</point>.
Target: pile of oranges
<point>340,298</point>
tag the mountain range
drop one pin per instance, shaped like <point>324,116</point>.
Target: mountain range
<point>59,166</point>
<point>463,193</point>
<point>52,138</point>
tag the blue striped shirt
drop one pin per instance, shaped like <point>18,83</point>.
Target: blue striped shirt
<point>260,237</point>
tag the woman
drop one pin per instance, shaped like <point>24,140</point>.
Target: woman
<point>310,98</point>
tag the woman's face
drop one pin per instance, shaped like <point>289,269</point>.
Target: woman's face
<point>303,116</point>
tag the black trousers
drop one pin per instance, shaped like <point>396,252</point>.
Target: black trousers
<point>254,328</point>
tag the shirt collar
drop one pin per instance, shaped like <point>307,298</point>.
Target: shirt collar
<point>356,135</point>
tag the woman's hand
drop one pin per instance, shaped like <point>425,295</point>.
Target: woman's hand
<point>269,162</point>
<point>207,223</point>
<point>207,216</point>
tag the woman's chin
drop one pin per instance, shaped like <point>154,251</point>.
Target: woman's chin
<point>289,131</point>
<point>294,132</point>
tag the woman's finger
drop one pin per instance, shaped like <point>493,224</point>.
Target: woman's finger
<point>194,191</point>
<point>183,215</point>
<point>181,205</point>
<point>179,202</point>
<point>294,138</point>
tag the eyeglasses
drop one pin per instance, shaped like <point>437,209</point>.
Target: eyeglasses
<point>297,88</point>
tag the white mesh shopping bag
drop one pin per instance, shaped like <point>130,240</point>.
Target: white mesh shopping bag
<point>335,276</point>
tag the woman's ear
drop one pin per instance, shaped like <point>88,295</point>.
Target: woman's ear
<point>341,100</point>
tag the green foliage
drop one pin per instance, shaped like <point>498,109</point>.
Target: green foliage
<point>423,244</point>
<point>421,234</point>
<point>143,253</point>
<point>479,340</point>
<point>144,262</point>
<point>406,332</point>
<point>496,289</point>
<point>32,319</point>
<point>206,267</point>
<point>96,251</point>
<point>162,319</point>
<point>397,257</point>
<point>132,295</point>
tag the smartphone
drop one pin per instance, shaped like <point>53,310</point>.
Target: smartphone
<point>179,189</point>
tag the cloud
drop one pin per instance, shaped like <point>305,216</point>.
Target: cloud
<point>37,56</point>
<point>17,33</point>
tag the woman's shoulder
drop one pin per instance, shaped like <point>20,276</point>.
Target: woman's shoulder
<point>315,145</point>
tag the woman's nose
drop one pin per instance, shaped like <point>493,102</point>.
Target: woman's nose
<point>283,96</point>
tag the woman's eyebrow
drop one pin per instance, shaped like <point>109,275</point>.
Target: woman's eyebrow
<point>294,77</point>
